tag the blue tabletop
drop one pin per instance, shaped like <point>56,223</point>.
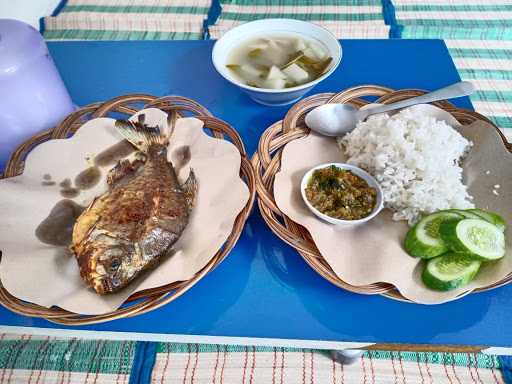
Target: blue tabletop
<point>264,288</point>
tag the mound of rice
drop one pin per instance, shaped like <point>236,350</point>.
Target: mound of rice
<point>415,158</point>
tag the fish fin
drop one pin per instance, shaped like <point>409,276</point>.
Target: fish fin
<point>172,117</point>
<point>91,203</point>
<point>121,170</point>
<point>140,135</point>
<point>190,189</point>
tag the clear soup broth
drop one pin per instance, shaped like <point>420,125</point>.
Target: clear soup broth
<point>278,61</point>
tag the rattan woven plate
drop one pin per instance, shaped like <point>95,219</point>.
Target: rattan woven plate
<point>267,162</point>
<point>148,300</point>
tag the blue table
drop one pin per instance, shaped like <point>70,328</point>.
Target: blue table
<point>264,293</point>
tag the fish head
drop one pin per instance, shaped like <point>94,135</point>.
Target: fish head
<point>108,276</point>
<point>117,261</point>
<point>110,264</point>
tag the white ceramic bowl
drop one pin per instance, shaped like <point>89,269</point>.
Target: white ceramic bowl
<point>266,27</point>
<point>355,170</point>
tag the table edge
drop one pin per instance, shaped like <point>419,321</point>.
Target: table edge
<point>250,341</point>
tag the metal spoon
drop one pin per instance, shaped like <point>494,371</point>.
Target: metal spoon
<point>338,119</point>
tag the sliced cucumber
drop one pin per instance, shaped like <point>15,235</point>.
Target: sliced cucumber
<point>464,213</point>
<point>474,237</point>
<point>450,271</point>
<point>423,240</point>
<point>491,217</point>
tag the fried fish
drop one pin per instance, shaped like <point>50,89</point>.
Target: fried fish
<point>130,227</point>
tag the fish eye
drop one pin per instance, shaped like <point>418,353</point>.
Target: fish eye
<point>115,264</point>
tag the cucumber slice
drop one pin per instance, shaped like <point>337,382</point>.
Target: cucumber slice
<point>423,240</point>
<point>491,217</point>
<point>475,237</point>
<point>464,213</point>
<point>450,271</point>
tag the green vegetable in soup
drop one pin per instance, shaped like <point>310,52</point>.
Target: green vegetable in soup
<point>278,62</point>
<point>322,66</point>
<point>293,58</point>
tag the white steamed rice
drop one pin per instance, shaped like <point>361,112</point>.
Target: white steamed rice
<point>415,158</point>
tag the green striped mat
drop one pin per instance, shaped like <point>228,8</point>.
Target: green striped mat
<point>459,359</point>
<point>350,30</point>
<point>454,33</point>
<point>474,14</point>
<point>128,20</point>
<point>50,360</point>
<point>344,18</point>
<point>454,19</point>
<point>105,34</point>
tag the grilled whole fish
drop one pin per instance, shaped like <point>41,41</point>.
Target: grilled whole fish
<point>131,226</point>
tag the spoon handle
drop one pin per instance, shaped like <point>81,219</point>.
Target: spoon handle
<point>463,88</point>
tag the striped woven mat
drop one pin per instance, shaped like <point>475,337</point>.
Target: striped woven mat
<point>344,18</point>
<point>29,359</point>
<point>466,19</point>
<point>127,20</point>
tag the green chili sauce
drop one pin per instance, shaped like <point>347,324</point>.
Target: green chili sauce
<point>340,194</point>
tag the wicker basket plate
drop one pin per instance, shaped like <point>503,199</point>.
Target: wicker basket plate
<point>267,162</point>
<point>149,299</point>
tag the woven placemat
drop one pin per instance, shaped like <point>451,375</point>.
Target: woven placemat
<point>128,20</point>
<point>345,19</point>
<point>45,360</point>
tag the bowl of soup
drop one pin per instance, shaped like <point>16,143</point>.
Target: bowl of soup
<point>276,61</point>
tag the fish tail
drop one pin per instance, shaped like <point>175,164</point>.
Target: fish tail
<point>143,136</point>
<point>190,188</point>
